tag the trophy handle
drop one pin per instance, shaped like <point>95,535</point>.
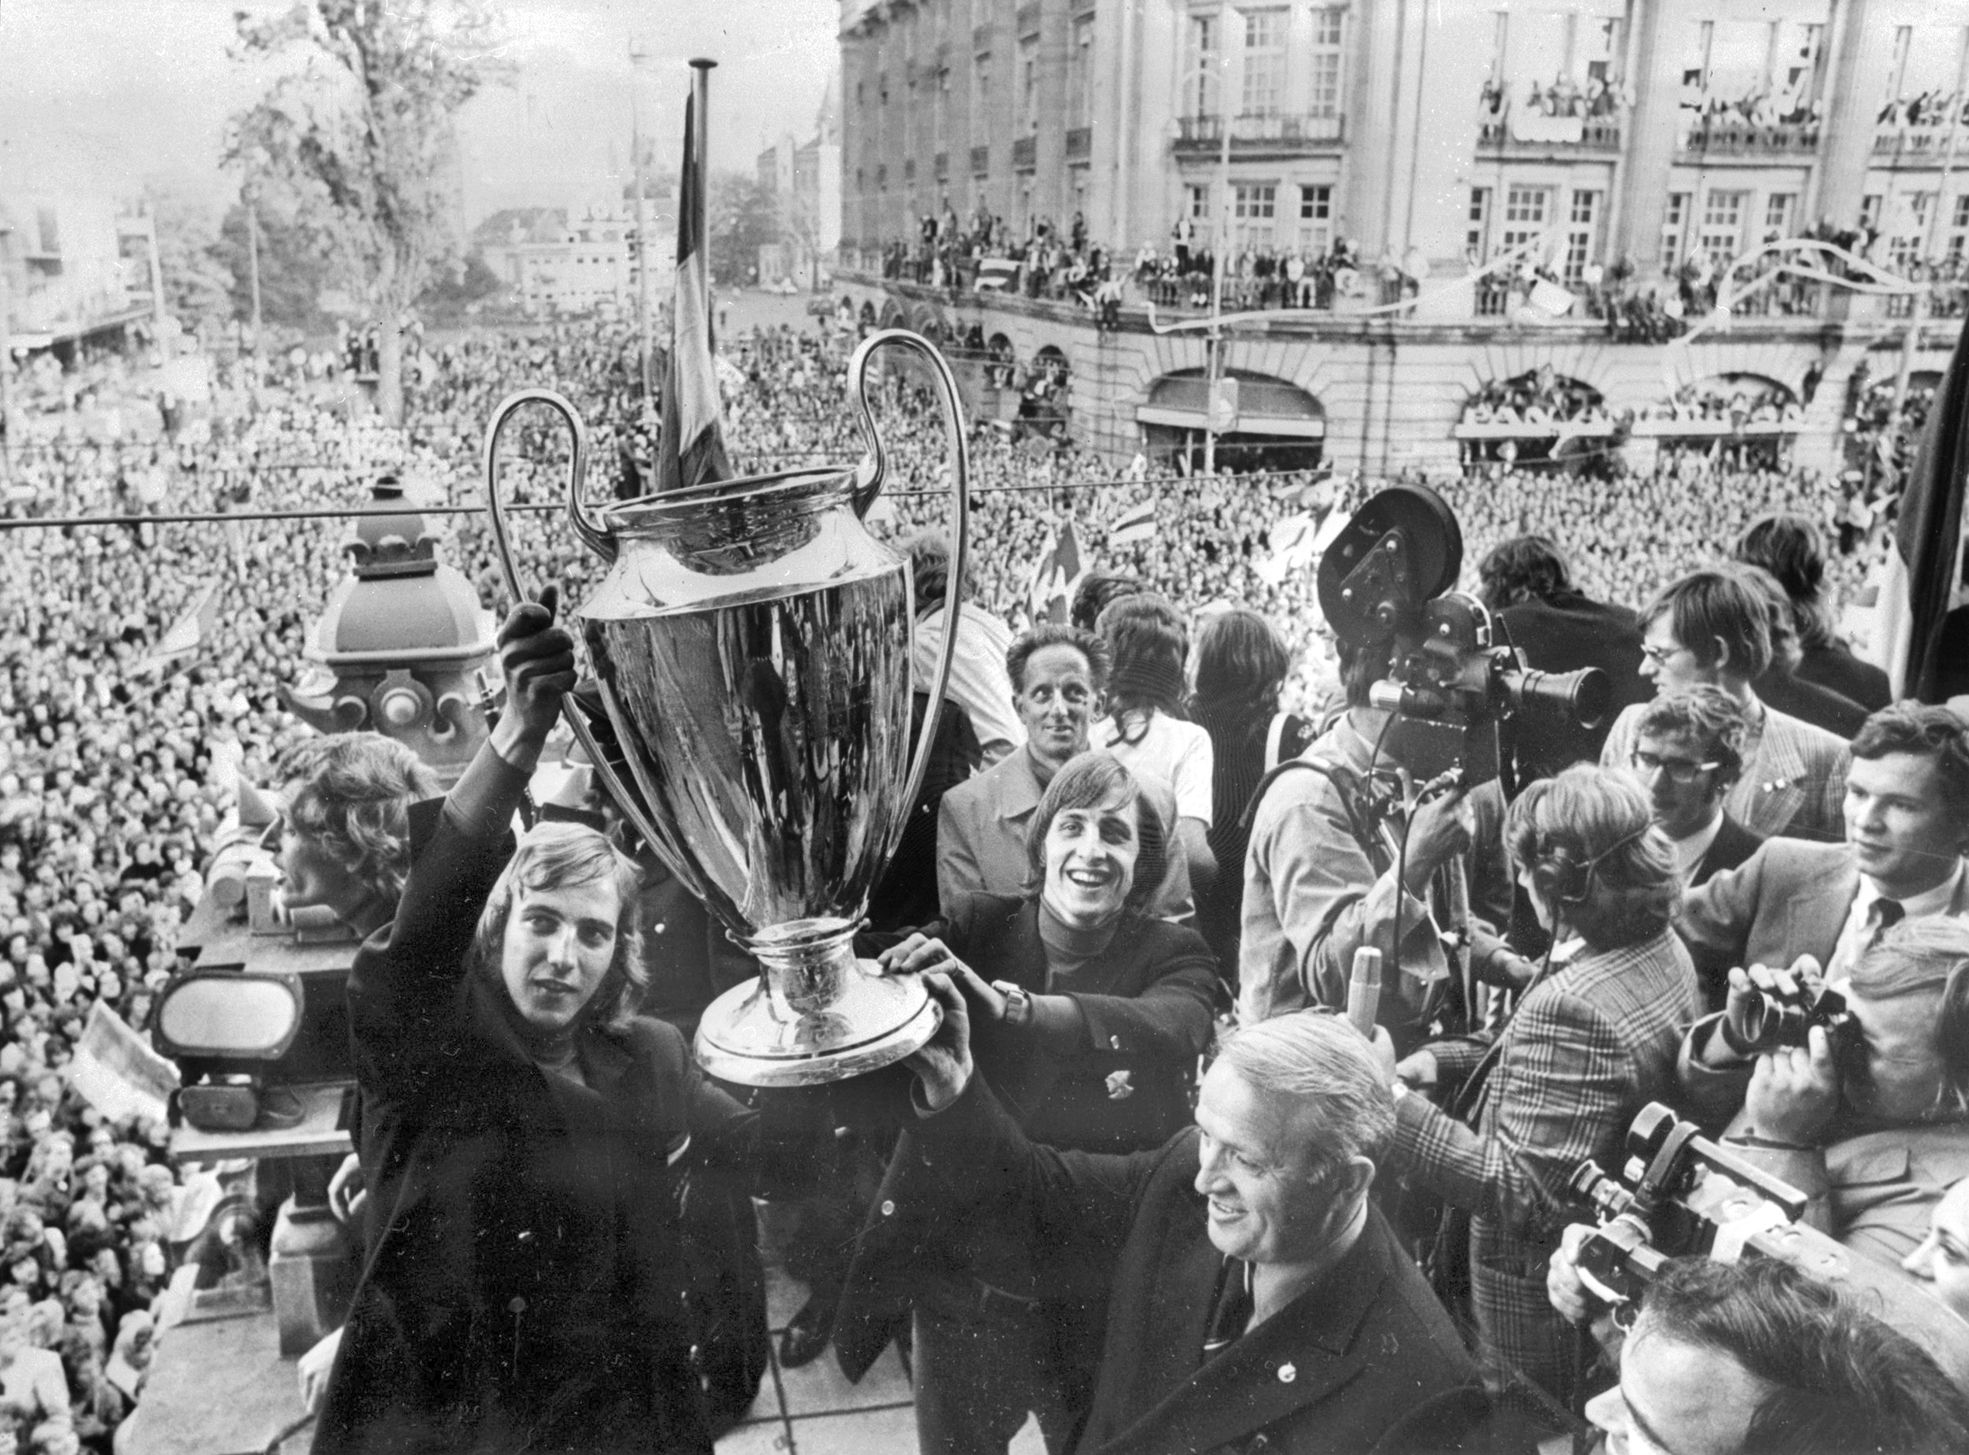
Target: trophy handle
<point>868,484</point>
<point>602,543</point>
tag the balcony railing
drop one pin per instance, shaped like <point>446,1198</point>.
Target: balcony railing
<point>1080,143</point>
<point>1025,153</point>
<point>1920,144</point>
<point>1259,133</point>
<point>1716,136</point>
<point>1530,132</point>
<point>980,161</point>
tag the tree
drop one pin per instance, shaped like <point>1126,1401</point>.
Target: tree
<point>457,289</point>
<point>358,133</point>
<point>295,266</point>
<point>744,217</point>
<point>196,281</point>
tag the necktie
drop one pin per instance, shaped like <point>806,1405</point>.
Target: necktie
<point>1231,1310</point>
<point>1886,914</point>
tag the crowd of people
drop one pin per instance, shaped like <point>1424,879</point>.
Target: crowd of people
<point>121,761</point>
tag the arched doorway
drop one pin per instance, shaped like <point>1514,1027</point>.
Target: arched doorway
<point>1043,395</point>
<point>1737,421</point>
<point>1263,422</point>
<point>1538,419</point>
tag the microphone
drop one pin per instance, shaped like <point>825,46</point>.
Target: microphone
<point>1364,990</point>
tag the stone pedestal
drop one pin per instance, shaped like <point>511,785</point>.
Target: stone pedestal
<point>311,1260</point>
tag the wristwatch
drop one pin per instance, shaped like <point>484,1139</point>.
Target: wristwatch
<point>1018,1005</point>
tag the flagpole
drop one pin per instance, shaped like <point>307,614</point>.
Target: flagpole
<point>701,69</point>
<point>1214,362</point>
<point>644,307</point>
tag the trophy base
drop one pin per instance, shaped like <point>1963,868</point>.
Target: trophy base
<point>752,1036</point>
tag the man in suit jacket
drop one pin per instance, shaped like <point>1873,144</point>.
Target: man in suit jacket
<point>1712,627</point>
<point>1527,582</point>
<point>1907,828</point>
<point>1688,751</point>
<point>1257,1300</point>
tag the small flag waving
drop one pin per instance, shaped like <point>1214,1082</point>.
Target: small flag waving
<point>1292,541</point>
<point>1921,631</point>
<point>693,439</point>
<point>1056,574</point>
<point>182,637</point>
<point>1135,526</point>
<point>996,273</point>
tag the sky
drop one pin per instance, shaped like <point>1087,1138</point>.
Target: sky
<point>113,95</point>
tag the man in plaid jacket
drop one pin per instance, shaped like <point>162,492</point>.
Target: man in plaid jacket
<point>1592,1041</point>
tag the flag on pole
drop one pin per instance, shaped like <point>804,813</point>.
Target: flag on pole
<point>1921,627</point>
<point>1135,526</point>
<point>693,439</point>
<point>1056,575</point>
<point>182,637</point>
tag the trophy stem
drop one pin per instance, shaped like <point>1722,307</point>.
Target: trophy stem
<point>815,1014</point>
<point>807,973</point>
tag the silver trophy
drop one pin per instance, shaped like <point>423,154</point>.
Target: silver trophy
<point>752,646</point>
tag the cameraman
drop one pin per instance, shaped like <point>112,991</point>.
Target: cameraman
<point>1871,1121</point>
<point>1319,882</point>
<point>1755,1357</point>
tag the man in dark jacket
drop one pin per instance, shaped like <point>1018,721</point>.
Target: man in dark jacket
<point>1687,754</point>
<point>1257,1299</point>
<point>1527,582</point>
<point>523,1136</point>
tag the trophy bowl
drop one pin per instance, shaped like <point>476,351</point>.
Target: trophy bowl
<point>751,647</point>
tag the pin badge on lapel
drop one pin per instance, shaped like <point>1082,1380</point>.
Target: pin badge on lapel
<point>1287,1373</point>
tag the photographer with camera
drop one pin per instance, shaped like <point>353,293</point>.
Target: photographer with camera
<point>1758,1356</point>
<point>1319,883</point>
<point>1906,810</point>
<point>1862,1105</point>
<point>1592,1041</point>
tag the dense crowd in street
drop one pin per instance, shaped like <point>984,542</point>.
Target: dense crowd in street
<point>118,768</point>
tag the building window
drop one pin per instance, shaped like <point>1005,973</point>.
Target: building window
<point>940,121</point>
<point>1326,57</point>
<point>981,92</point>
<point>1582,240</point>
<point>1958,227</point>
<point>1870,210</point>
<point>882,178</point>
<point>1721,234</point>
<point>1080,98</point>
<point>1196,199</point>
<point>1476,230</point>
<point>1200,72</point>
<point>1910,228</point>
<point>1315,217</point>
<point>1525,212</point>
<point>1254,208</point>
<point>1264,63</point>
<point>1779,209</point>
<point>1029,85</point>
<point>882,88</point>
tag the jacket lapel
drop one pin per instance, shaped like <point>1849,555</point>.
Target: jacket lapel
<point>1294,1359</point>
<point>1817,909</point>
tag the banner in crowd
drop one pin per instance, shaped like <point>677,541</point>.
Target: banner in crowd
<point>694,442</point>
<point>1921,629</point>
<point>1135,526</point>
<point>182,637</point>
<point>994,273</point>
<point>1294,543</point>
<point>1056,574</point>
<point>116,1073</point>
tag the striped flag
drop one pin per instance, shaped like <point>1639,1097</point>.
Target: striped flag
<point>1135,526</point>
<point>693,439</point>
<point>1921,629</point>
<point>996,273</point>
<point>1056,574</point>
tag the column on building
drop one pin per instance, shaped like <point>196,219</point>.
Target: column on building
<point>1649,139</point>
<point>1865,37</point>
<point>1371,127</point>
<point>1436,138</point>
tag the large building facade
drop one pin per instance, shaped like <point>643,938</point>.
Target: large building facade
<point>1592,137</point>
<point>1438,129</point>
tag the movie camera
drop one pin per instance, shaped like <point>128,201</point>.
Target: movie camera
<point>1386,582</point>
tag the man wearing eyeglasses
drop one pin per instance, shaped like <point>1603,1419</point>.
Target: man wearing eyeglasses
<point>1688,751</point>
<point>1712,628</point>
